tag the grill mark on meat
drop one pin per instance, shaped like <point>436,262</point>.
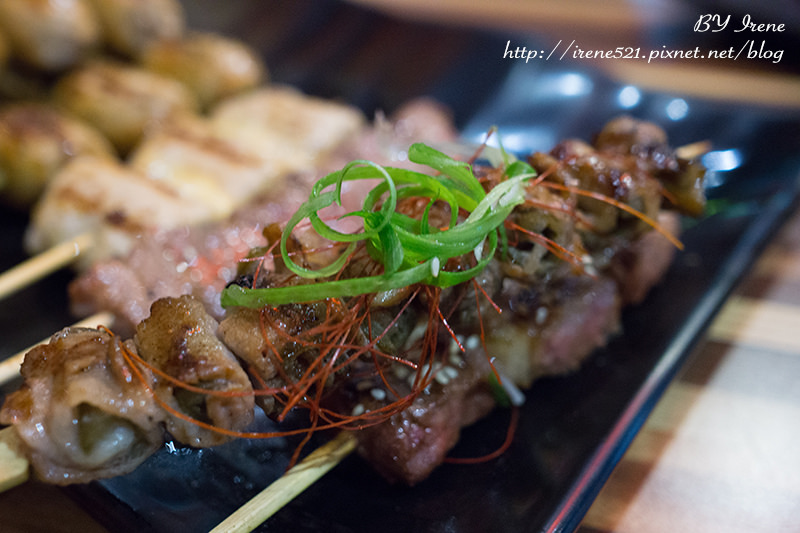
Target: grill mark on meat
<point>28,120</point>
<point>211,144</point>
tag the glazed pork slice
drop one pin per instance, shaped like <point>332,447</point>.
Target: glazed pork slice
<point>81,412</point>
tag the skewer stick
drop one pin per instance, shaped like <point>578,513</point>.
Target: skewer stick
<point>693,150</point>
<point>9,369</point>
<point>45,263</point>
<point>289,486</point>
<point>13,465</point>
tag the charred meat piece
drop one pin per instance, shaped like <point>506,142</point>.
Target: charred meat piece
<point>262,338</point>
<point>412,443</point>
<point>647,143</point>
<point>180,339</point>
<point>550,328</point>
<point>81,412</point>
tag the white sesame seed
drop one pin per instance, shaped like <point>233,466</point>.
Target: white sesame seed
<point>473,342</point>
<point>450,372</point>
<point>435,267</point>
<point>417,333</point>
<point>541,315</point>
<point>442,378</point>
<point>378,394</point>
<point>363,385</point>
<point>358,409</point>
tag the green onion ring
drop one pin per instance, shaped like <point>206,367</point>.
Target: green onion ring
<point>411,251</point>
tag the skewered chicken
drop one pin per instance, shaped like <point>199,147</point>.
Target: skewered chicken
<point>109,200</point>
<point>180,338</point>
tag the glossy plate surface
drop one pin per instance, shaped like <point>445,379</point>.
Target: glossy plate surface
<point>572,430</point>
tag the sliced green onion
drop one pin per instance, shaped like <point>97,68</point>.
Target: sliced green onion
<point>410,250</point>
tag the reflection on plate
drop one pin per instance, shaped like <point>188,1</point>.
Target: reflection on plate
<point>573,429</point>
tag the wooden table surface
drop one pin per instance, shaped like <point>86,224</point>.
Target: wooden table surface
<point>721,451</point>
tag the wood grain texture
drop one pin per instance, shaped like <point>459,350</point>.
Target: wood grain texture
<point>720,451</point>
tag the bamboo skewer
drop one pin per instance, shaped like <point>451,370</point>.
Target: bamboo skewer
<point>289,486</point>
<point>13,465</point>
<point>9,369</point>
<point>47,262</point>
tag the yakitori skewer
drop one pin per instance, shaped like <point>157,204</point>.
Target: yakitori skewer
<point>14,468</point>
